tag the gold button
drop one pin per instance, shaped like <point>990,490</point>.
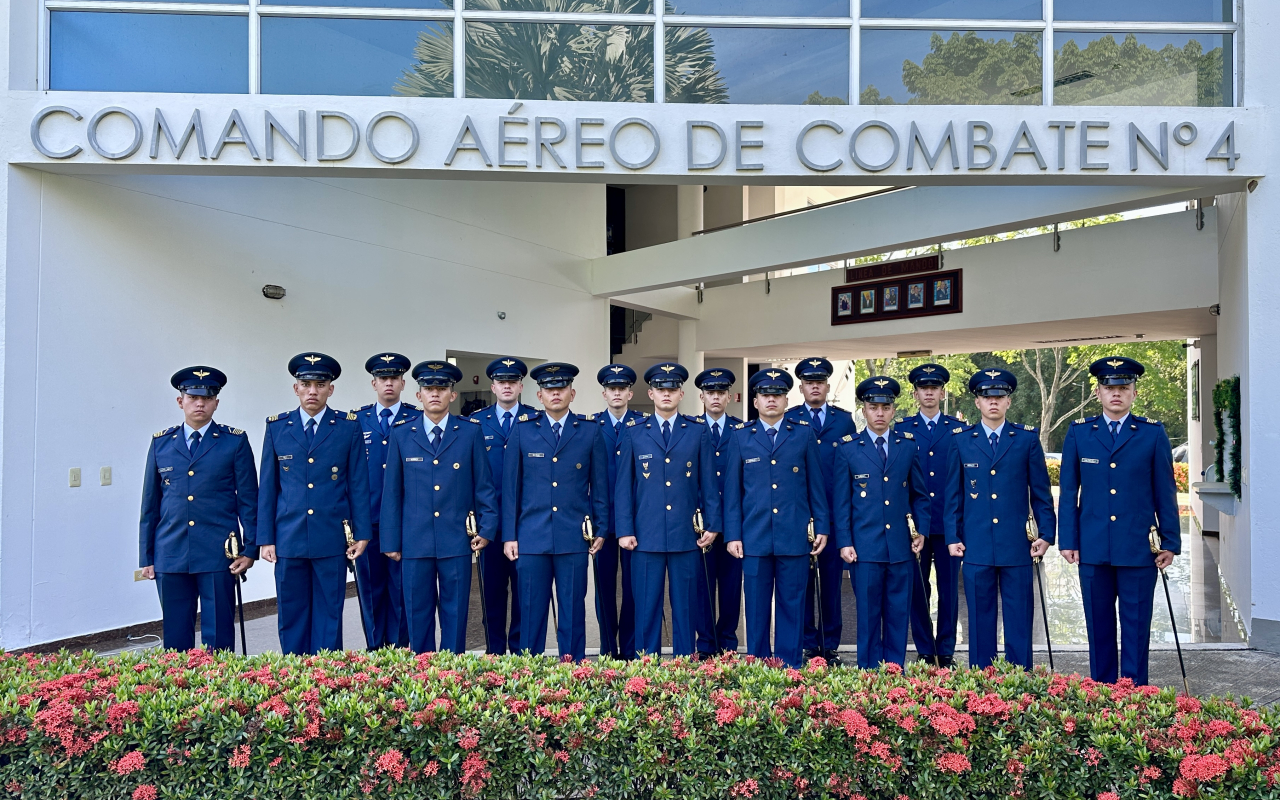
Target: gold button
<point>668,461</point>
<point>819,441</point>
<point>554,459</point>
<point>668,483</point>
<point>193,497</point>
<point>311,461</point>
<point>191,523</point>
<point>1113,517</point>
<point>995,521</point>
<point>717,452</point>
<point>775,511</point>
<point>993,497</point>
<point>993,472</point>
<point>931,494</point>
<point>864,494</point>
<point>618,453</point>
<point>886,502</point>
<point>930,474</point>
<point>668,508</point>
<point>311,486</point>
<point>887,526</point>
<point>437,513</point>
<point>193,472</point>
<point>435,461</point>
<point>775,486</point>
<point>437,487</point>
<point>886,478</point>
<point>773,461</point>
<point>555,484</point>
<point>384,441</point>
<point>717,473</point>
<point>835,444</point>
<point>553,508</point>
<point>578,466</point>
<point>1113,466</point>
<point>1113,491</point>
<point>311,511</point>
<point>795,469</point>
<point>904,483</point>
<point>333,469</point>
<point>688,463</point>
<point>930,453</point>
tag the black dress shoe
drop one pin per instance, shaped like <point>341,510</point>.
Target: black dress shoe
<point>947,661</point>
<point>833,658</point>
<point>927,659</point>
<point>812,652</point>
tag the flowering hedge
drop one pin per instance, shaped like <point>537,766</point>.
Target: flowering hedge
<point>391,724</point>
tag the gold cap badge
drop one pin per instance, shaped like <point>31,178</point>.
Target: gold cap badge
<point>199,373</point>
<point>667,368</point>
<point>773,374</point>
<point>311,359</point>
<point>508,362</point>
<point>435,366</point>
<point>881,383</point>
<point>388,359</point>
<point>615,370</point>
<point>1115,363</point>
<point>992,373</point>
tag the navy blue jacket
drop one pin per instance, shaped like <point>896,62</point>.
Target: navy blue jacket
<point>189,505</point>
<point>660,486</point>
<point>550,486</point>
<point>722,447</point>
<point>935,453</point>
<point>1112,492</point>
<point>772,491</point>
<point>495,441</point>
<point>613,443</point>
<point>304,493</point>
<point>427,494</point>
<point>375,447</point>
<point>836,424</point>
<point>989,497</point>
<point>873,497</point>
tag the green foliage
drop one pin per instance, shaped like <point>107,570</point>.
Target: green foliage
<point>966,69</point>
<point>1226,410</point>
<point>1131,74</point>
<point>817,98</point>
<point>391,724</point>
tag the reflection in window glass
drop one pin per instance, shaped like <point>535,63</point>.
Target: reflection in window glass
<point>950,68</point>
<point>427,4</point>
<point>762,8</point>
<point>1143,69</point>
<point>566,6</point>
<point>757,65</point>
<point>1144,10</point>
<point>953,9</point>
<point>351,56</point>
<point>100,52</point>
<point>610,63</point>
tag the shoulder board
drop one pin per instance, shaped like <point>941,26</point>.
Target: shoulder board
<point>409,406</point>
<point>351,417</point>
<point>275,417</point>
<point>834,407</point>
<point>402,421</point>
<point>587,417</point>
<point>365,408</point>
<point>699,420</point>
<point>165,432</point>
<point>799,422</point>
<point>1078,421</point>
<point>1149,421</point>
<point>522,418</point>
<point>960,429</point>
<point>907,435</point>
<point>740,426</point>
<point>469,419</point>
<point>631,423</point>
<point>232,431</point>
<point>846,438</point>
<point>1031,428</point>
<point>899,421</point>
<point>644,413</point>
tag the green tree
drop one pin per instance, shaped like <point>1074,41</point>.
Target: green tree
<point>1127,73</point>
<point>966,69</point>
<point>817,98</point>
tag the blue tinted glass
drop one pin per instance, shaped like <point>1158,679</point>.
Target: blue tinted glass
<point>1144,10</point>
<point>103,52</point>
<point>370,3</point>
<point>794,66</point>
<point>607,63</point>
<point>356,56</point>
<point>1142,69</point>
<point>953,9</point>
<point>950,68</point>
<point>566,6</point>
<point>763,8</point>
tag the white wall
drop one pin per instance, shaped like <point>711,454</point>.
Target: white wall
<point>114,283</point>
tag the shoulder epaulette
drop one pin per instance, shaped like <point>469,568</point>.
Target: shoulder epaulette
<point>846,438</point>
<point>1149,420</point>
<point>275,417</point>
<point>165,432</point>
<point>799,422</point>
<point>740,426</point>
<point>834,407</point>
<point>631,423</point>
<point>644,413</point>
<point>899,421</point>
<point>1078,421</point>
<point>960,429</point>
<point>351,417</point>
<point>522,418</point>
<point>907,435</point>
<point>699,420</point>
<point>470,419</point>
<point>365,408</point>
<point>232,431</point>
<point>587,417</point>
<point>399,422</point>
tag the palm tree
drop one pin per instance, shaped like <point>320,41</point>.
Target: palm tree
<point>565,61</point>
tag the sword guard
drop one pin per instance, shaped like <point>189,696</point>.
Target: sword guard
<point>1033,530</point>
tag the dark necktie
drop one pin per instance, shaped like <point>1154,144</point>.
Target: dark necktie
<point>195,442</point>
<point>995,440</point>
<point>773,437</point>
<point>311,431</point>
<point>715,434</point>
<point>883,448</point>
<point>506,423</point>
<point>666,431</point>
<point>930,426</point>
<point>436,435</point>
<point>385,420</point>
<point>1115,429</point>
<point>556,430</point>
<point>817,417</point>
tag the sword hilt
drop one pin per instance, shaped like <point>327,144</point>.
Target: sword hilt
<point>699,527</point>
<point>1033,533</point>
<point>231,547</point>
<point>588,531</point>
<point>911,528</point>
<point>473,528</point>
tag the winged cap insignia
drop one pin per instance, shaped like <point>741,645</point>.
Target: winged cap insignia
<point>551,369</point>
<point>199,373</point>
<point>667,368</point>
<point>773,374</point>
<point>615,370</point>
<point>813,362</point>
<point>435,366</point>
<point>927,369</point>
<point>716,374</point>
<point>881,383</point>
<point>1115,363</point>
<point>388,359</point>
<point>992,373</point>
<point>311,359</point>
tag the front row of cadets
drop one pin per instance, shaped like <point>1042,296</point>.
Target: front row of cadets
<point>410,496</point>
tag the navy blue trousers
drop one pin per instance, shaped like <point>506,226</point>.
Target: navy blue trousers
<point>569,574</point>
<point>942,640</point>
<point>884,606</point>
<point>832,569</point>
<point>382,598</point>
<point>990,591</point>
<point>216,594</point>
<point>617,627</point>
<point>501,585</point>
<point>1133,589</point>
<point>649,571</point>
<point>720,605</point>
<point>310,594</point>
<point>434,585</point>
<point>775,587</point>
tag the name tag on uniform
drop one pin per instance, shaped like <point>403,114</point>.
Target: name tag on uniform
<point>166,469</point>
<point>419,458</point>
<point>970,465</point>
<point>645,457</point>
<point>1088,461</point>
<point>751,460</point>
<point>368,434</point>
<point>862,476</point>
<point>487,438</point>
<point>535,455</point>
<point>283,458</point>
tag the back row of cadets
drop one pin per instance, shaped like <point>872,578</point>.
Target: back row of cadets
<point>651,496</point>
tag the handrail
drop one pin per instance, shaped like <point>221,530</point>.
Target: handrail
<point>876,193</point>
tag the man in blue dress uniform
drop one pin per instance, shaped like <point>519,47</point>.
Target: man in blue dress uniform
<point>774,495</point>
<point>314,482</point>
<point>617,626</point>
<point>556,477</point>
<point>931,430</point>
<point>879,484</point>
<point>1117,483</point>
<point>437,474</point>
<point>666,473</point>
<point>720,605</point>
<point>199,487</point>
<point>501,585</point>
<point>829,424</point>
<point>996,480</point>
<point>381,591</point>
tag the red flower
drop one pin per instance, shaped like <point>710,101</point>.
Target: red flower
<point>948,721</point>
<point>816,664</point>
<point>1108,796</point>
<point>470,739</point>
<point>240,757</point>
<point>952,762</point>
<point>637,686</point>
<point>1183,787</point>
<point>475,771</point>
<point>727,708</point>
<point>132,761</point>
<point>747,788</point>
<point>145,792</point>
<point>606,725</point>
<point>392,763</point>
<point>1203,768</point>
<point>1014,767</point>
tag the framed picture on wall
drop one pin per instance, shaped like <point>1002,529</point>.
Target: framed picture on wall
<point>897,298</point>
<point>942,292</point>
<point>915,295</point>
<point>867,302</point>
<point>891,298</point>
<point>844,304</point>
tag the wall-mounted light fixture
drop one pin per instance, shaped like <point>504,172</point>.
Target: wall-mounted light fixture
<point>502,315</point>
<point>273,292</point>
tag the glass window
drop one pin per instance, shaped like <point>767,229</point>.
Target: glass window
<point>536,61</point>
<point>566,6</point>
<point>762,8</point>
<point>428,4</point>
<point>101,52</point>
<point>950,68</point>
<point>953,9</point>
<point>357,57</point>
<point>1144,10</point>
<point>1142,69</point>
<point>757,65</point>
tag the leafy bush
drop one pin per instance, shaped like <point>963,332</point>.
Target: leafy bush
<point>391,724</point>
<point>1055,470</point>
<point>1179,473</point>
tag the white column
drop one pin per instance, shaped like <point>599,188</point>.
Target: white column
<point>692,359</point>
<point>688,210</point>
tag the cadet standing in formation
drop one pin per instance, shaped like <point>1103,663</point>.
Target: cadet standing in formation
<point>199,488</point>
<point>617,626</point>
<point>380,587</point>
<point>1117,485</point>
<point>555,492</point>
<point>315,482</point>
<point>666,473</point>
<point>437,475</point>
<point>774,497</point>
<point>878,486</point>
<point>996,480</point>
<point>829,425</point>
<point>720,603</point>
<point>501,584</point>
<point>932,432</point>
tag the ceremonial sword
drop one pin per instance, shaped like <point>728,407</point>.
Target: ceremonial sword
<point>231,547</point>
<point>924,587</point>
<point>698,528</point>
<point>1153,538</point>
<point>1033,533</point>
<point>473,530</point>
